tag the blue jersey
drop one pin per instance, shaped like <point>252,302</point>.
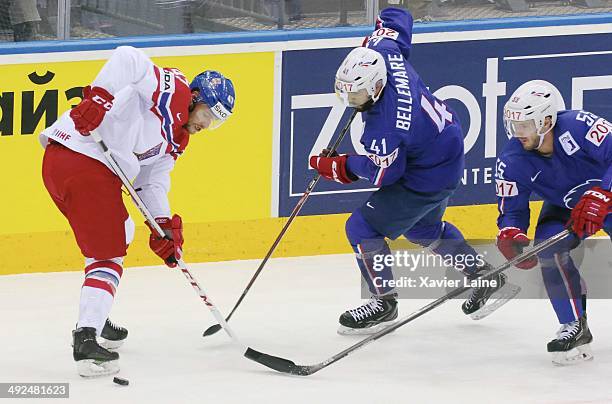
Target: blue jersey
<point>581,159</point>
<point>410,136</point>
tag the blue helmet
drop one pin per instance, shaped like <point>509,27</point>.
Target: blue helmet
<point>216,91</point>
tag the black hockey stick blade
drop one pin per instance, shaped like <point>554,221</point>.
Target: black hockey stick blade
<point>279,364</point>
<point>211,330</point>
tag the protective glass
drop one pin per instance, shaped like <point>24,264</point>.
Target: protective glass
<point>521,128</point>
<point>216,115</point>
<point>349,98</point>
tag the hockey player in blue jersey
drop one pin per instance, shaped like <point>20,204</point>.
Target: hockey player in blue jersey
<point>566,158</point>
<point>415,155</point>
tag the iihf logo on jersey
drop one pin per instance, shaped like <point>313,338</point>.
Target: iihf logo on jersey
<point>568,143</point>
<point>573,196</point>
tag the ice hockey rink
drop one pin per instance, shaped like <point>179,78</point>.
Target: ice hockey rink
<point>292,311</point>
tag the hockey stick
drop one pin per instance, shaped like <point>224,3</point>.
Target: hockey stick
<point>287,366</point>
<point>145,212</point>
<point>214,328</point>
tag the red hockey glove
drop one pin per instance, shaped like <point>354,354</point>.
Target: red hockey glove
<point>88,115</point>
<point>510,242</point>
<point>590,212</point>
<point>332,167</point>
<point>168,248</point>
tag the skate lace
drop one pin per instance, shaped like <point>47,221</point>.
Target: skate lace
<point>471,300</point>
<point>366,310</point>
<point>474,298</point>
<point>113,326</point>
<point>568,330</point>
<point>479,293</point>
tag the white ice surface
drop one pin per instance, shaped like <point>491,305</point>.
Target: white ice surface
<point>292,311</point>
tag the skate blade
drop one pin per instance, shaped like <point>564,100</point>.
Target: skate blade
<point>574,356</point>
<point>110,344</point>
<point>343,330</point>
<point>497,300</point>
<point>89,368</point>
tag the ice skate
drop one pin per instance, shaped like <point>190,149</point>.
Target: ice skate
<point>572,344</point>
<point>112,336</point>
<point>369,318</point>
<point>91,359</point>
<point>486,299</point>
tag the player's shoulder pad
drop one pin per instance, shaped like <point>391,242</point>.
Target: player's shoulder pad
<point>131,55</point>
<point>576,129</point>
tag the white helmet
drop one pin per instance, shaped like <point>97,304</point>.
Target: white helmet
<point>358,75</point>
<point>530,103</point>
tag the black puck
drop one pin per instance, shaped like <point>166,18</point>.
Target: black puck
<point>119,380</point>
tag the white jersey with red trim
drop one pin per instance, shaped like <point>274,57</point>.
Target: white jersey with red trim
<point>144,128</point>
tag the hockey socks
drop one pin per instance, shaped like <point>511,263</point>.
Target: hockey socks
<point>564,287</point>
<point>98,292</point>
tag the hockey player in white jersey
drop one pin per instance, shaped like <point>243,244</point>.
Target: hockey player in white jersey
<point>145,114</point>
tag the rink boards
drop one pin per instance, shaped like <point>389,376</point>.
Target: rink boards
<point>234,185</point>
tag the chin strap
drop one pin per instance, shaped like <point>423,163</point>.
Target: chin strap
<point>542,138</point>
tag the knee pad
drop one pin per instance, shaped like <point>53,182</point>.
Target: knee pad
<point>557,261</point>
<point>562,248</point>
<point>425,235</point>
<point>430,234</point>
<point>547,228</point>
<point>111,269</point>
<point>103,275</point>
<point>359,231</point>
